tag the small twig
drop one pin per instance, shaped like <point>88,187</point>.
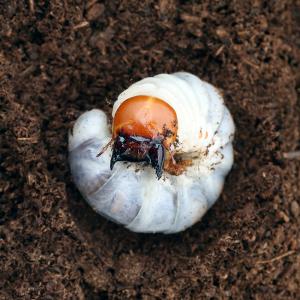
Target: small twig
<point>172,156</point>
<point>28,71</point>
<point>291,252</point>
<point>220,50</point>
<point>90,4</point>
<point>33,140</point>
<point>292,155</point>
<point>250,63</point>
<point>31,6</point>
<point>81,25</point>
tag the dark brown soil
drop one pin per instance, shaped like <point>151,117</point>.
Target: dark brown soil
<point>61,58</point>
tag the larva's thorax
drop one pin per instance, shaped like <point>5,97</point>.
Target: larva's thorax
<point>147,117</point>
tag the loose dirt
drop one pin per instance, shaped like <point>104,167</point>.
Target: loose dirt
<point>61,58</point>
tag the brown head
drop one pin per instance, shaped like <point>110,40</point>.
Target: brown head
<point>144,127</point>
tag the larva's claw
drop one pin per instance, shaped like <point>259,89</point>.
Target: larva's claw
<point>159,172</point>
<point>114,158</point>
<point>157,158</point>
<point>105,148</point>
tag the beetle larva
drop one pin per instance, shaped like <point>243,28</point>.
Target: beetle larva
<point>163,163</point>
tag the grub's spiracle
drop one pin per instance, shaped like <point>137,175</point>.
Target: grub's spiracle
<point>162,163</point>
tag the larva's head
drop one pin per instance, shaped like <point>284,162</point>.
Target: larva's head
<point>144,127</point>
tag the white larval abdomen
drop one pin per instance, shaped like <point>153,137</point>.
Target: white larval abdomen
<point>131,194</point>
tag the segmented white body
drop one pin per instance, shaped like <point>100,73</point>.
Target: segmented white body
<point>131,194</point>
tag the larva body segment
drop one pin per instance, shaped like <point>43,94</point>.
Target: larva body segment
<point>131,194</point>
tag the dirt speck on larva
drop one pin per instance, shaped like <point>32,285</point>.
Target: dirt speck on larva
<point>61,58</point>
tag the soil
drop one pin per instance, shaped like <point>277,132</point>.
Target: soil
<point>61,58</point>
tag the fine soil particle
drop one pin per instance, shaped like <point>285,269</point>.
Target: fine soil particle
<point>61,58</point>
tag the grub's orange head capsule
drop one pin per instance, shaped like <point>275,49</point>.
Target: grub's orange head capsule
<point>143,128</point>
<point>147,117</point>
